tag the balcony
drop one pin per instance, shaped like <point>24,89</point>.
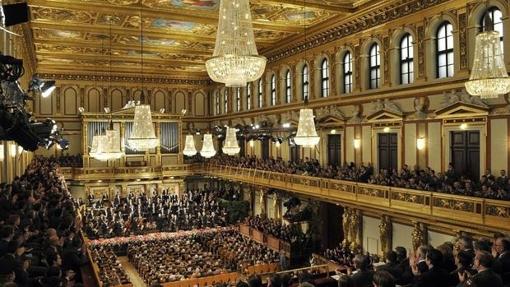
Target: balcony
<point>472,211</point>
<point>129,173</point>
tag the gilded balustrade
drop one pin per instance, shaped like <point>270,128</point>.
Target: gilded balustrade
<point>488,213</point>
<point>127,173</point>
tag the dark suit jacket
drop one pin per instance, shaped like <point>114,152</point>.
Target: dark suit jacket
<point>392,268</point>
<point>362,279</point>
<point>487,278</point>
<point>434,277</point>
<point>502,267</point>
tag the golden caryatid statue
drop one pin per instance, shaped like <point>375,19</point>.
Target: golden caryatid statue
<point>385,234</point>
<point>346,217</point>
<point>355,229</point>
<point>419,235</point>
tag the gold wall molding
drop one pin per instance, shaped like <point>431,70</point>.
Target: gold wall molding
<point>130,79</point>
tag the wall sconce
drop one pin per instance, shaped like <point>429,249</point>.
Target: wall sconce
<point>20,149</point>
<point>286,125</point>
<point>2,152</point>
<point>333,132</point>
<point>357,143</point>
<point>252,143</point>
<point>420,143</point>
<point>386,129</point>
<point>464,126</point>
<point>277,144</point>
<point>12,150</point>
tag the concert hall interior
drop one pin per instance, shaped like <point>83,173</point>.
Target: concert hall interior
<point>255,143</point>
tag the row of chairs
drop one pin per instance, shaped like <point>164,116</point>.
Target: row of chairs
<point>205,281</point>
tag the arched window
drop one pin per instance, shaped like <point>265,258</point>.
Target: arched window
<point>238,99</point>
<point>273,90</point>
<point>406,60</point>
<point>217,103</point>
<point>260,93</point>
<point>347,71</point>
<point>305,83</point>
<point>248,97</point>
<point>288,87</point>
<point>324,78</point>
<point>444,50</point>
<point>225,102</point>
<point>374,67</point>
<point>496,17</point>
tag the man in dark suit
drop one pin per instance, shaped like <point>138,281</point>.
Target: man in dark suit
<point>435,276</point>
<point>501,253</point>
<point>383,279</point>
<point>6,235</point>
<point>391,265</point>
<point>485,277</point>
<point>363,275</point>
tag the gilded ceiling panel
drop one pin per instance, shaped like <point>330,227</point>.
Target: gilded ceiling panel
<point>178,35</point>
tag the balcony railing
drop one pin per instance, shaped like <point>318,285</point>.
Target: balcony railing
<point>128,173</point>
<point>491,214</point>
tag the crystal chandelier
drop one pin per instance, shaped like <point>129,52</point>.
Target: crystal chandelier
<point>235,60</point>
<point>98,146</point>
<point>489,77</point>
<point>306,135</point>
<point>143,136</point>
<point>231,147</point>
<point>189,146</point>
<point>110,146</point>
<point>208,150</point>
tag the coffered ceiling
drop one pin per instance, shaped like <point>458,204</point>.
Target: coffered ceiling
<point>76,36</point>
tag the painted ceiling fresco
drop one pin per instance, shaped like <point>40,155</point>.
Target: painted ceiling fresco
<point>98,36</point>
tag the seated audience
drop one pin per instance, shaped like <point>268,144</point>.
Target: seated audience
<point>111,272</point>
<point>420,179</point>
<point>290,233</point>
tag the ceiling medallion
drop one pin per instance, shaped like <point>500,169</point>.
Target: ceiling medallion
<point>235,60</point>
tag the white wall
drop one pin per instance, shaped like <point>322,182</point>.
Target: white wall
<point>371,242</point>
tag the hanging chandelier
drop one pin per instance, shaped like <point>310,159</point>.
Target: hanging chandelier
<point>489,77</point>
<point>231,146</point>
<point>98,146</point>
<point>143,136</point>
<point>208,150</point>
<point>189,146</point>
<point>235,60</point>
<point>111,147</point>
<point>306,135</point>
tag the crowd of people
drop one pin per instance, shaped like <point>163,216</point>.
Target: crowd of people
<point>287,232</point>
<point>111,272</point>
<point>200,255</point>
<point>160,212</point>
<point>467,262</point>
<point>39,230</point>
<point>488,186</point>
<point>66,160</point>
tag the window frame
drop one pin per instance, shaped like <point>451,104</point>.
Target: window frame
<point>260,91</point>
<point>273,90</point>
<point>491,11</point>
<point>374,67</point>
<point>238,99</point>
<point>446,52</point>
<point>288,87</point>
<point>217,103</point>
<point>324,78</point>
<point>408,61</point>
<point>225,101</point>
<point>248,96</point>
<point>347,73</point>
<point>305,82</point>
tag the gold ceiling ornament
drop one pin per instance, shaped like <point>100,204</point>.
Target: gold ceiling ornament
<point>231,146</point>
<point>489,77</point>
<point>235,60</point>
<point>189,146</point>
<point>208,150</point>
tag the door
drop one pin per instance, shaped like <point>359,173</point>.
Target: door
<point>242,146</point>
<point>387,151</point>
<point>294,153</point>
<point>334,149</point>
<point>265,148</point>
<point>465,153</point>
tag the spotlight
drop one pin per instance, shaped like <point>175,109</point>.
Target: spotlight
<point>286,125</point>
<point>107,110</point>
<point>44,87</point>
<point>162,110</point>
<point>81,110</point>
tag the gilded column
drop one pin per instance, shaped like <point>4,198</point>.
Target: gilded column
<point>419,235</point>
<point>346,218</point>
<point>332,74</point>
<point>386,234</point>
<point>311,80</point>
